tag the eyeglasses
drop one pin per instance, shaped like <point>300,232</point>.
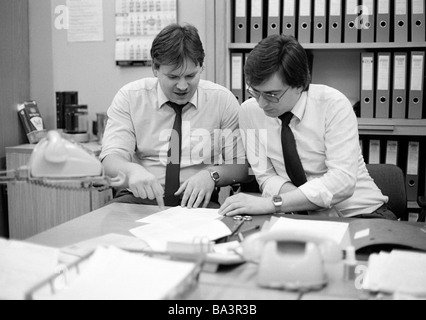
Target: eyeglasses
<point>267,96</point>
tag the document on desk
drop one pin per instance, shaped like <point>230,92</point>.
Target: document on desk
<point>113,274</point>
<point>400,272</point>
<point>181,225</point>
<point>335,231</point>
<point>23,265</point>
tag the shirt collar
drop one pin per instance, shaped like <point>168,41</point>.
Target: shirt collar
<point>300,107</point>
<point>162,99</point>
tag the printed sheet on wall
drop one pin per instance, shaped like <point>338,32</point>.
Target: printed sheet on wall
<point>137,24</point>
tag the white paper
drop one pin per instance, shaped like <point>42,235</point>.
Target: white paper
<point>112,274</point>
<point>334,231</point>
<point>182,214</point>
<point>24,265</point>
<point>85,20</point>
<point>157,235</point>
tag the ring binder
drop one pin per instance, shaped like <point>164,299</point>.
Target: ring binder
<point>52,287</point>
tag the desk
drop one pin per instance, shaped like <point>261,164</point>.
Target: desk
<point>34,208</point>
<point>229,283</point>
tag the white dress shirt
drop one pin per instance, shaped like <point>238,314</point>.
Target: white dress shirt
<point>140,123</point>
<point>326,133</point>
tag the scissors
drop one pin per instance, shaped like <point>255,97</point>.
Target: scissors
<point>240,221</point>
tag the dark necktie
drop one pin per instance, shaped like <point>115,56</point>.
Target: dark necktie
<point>292,162</point>
<point>173,159</point>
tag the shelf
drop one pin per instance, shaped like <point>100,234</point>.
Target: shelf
<point>397,127</point>
<point>341,46</point>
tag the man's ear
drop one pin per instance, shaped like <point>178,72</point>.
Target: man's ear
<point>155,71</point>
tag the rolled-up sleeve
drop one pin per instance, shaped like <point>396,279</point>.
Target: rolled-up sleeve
<point>119,137</point>
<point>342,159</point>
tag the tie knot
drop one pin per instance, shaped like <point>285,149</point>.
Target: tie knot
<point>177,107</point>
<point>286,118</point>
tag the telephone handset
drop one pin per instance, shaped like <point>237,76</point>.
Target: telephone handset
<point>291,261</point>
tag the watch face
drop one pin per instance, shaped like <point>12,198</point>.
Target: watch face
<point>277,200</point>
<point>215,176</point>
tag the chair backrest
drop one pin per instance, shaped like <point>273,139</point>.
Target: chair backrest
<point>391,181</point>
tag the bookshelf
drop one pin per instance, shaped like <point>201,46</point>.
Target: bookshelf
<point>342,72</point>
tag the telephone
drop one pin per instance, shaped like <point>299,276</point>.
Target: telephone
<point>57,162</point>
<point>294,262</point>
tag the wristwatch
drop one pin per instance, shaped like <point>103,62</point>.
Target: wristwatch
<point>215,176</point>
<point>278,203</point>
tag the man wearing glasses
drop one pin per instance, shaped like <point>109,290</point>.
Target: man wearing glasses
<point>309,160</point>
<point>175,136</point>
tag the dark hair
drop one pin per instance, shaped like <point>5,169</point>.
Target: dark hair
<point>278,53</point>
<point>174,44</point>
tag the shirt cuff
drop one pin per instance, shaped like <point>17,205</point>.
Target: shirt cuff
<point>273,186</point>
<point>317,193</point>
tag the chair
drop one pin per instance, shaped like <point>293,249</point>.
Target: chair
<point>391,181</point>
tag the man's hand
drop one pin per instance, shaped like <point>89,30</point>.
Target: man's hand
<point>197,190</point>
<point>145,185</point>
<point>241,204</point>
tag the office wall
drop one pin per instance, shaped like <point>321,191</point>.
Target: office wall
<point>89,67</point>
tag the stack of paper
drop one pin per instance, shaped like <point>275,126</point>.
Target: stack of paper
<point>113,274</point>
<point>398,272</point>
<point>181,225</point>
<point>22,266</point>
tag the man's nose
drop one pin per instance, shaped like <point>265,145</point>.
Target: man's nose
<point>263,103</point>
<point>182,84</point>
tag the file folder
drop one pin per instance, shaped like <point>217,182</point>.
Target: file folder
<point>351,21</point>
<point>240,21</point>
<point>418,27</point>
<point>412,175</point>
<point>383,23</point>
<point>335,21</point>
<point>392,152</point>
<point>320,23</point>
<point>367,85</point>
<point>401,21</point>
<point>383,85</point>
<point>374,157</point>
<point>415,103</point>
<point>399,101</point>
<point>289,18</point>
<point>237,83</point>
<point>274,20</point>
<point>368,27</point>
<point>305,21</point>
<point>256,21</point>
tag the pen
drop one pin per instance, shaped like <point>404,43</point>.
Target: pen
<point>241,234</point>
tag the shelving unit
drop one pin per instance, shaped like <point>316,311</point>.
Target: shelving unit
<point>343,72</point>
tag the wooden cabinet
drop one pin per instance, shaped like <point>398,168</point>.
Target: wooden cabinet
<point>35,208</point>
<point>337,65</point>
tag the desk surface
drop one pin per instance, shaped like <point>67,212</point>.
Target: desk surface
<point>228,283</point>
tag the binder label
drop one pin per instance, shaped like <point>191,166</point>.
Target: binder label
<point>335,8</point>
<point>305,8</point>
<point>400,7</point>
<point>320,8</point>
<point>289,8</point>
<point>240,10</point>
<point>418,7</point>
<point>367,75</point>
<point>400,72</point>
<point>383,75</point>
<point>417,74</point>
<point>392,153</point>
<point>237,76</point>
<point>256,8</point>
<point>274,8</point>
<point>413,158</point>
<point>383,7</point>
